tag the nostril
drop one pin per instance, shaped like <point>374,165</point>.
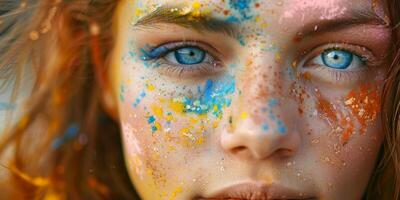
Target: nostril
<point>238,149</point>
<point>284,152</point>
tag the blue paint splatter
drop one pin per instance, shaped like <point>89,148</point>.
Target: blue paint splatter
<point>281,127</point>
<point>273,102</point>
<point>243,7</point>
<point>265,127</point>
<point>139,99</point>
<point>151,119</point>
<point>214,97</point>
<point>232,19</point>
<point>154,129</point>
<point>241,40</point>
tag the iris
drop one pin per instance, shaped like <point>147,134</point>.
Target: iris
<point>189,55</point>
<point>337,59</point>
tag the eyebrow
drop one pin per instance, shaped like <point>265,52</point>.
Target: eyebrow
<point>186,19</point>
<point>355,17</point>
<point>177,15</point>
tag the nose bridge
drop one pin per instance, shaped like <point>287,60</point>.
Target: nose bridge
<point>261,85</point>
<point>259,124</point>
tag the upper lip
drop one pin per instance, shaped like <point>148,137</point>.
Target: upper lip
<point>257,191</point>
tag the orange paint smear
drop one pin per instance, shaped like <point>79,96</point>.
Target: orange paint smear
<point>326,109</point>
<point>335,117</point>
<point>364,105</point>
<point>348,131</point>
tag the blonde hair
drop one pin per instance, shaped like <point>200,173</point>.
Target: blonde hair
<point>53,38</point>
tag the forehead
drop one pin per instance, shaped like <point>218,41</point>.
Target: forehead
<point>287,7</point>
<point>288,13</point>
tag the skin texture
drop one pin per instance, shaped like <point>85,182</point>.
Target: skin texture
<point>276,118</point>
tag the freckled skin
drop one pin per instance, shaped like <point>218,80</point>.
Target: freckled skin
<point>192,136</point>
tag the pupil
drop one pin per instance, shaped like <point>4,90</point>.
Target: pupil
<point>191,53</point>
<point>335,57</point>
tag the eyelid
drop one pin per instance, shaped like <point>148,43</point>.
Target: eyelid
<point>364,53</point>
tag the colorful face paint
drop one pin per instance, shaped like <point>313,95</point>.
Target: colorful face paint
<point>223,92</point>
<point>214,96</point>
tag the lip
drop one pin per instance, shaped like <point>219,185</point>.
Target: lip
<point>257,191</point>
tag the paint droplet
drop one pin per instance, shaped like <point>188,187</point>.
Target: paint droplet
<point>243,115</point>
<point>151,119</point>
<point>265,127</point>
<point>281,127</point>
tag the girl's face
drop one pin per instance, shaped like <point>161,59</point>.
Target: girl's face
<point>250,99</point>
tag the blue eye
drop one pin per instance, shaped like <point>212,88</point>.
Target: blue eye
<point>337,59</point>
<point>186,56</point>
<point>183,59</point>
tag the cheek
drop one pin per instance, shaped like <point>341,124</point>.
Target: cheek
<point>342,136</point>
<point>343,171</point>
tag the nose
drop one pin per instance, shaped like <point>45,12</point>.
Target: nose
<point>269,127</point>
<point>248,141</point>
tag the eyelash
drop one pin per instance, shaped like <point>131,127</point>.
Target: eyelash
<point>156,57</point>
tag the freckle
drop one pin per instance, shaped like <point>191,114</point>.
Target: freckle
<point>226,12</point>
<point>307,75</point>
<point>297,38</point>
<point>257,5</point>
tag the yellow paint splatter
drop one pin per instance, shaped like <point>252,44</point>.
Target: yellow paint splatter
<point>185,131</point>
<point>215,108</point>
<point>193,121</point>
<point>196,5</point>
<point>138,12</point>
<point>169,118</point>
<point>264,25</point>
<point>171,148</point>
<point>243,115</point>
<point>278,57</point>
<point>157,111</point>
<point>200,140</point>
<point>150,87</point>
<point>157,125</point>
<point>177,106</point>
<point>175,193</point>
